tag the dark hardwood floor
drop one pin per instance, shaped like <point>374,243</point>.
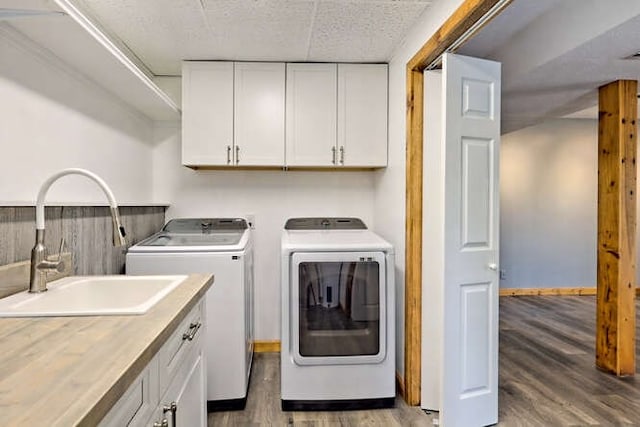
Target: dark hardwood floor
<point>547,377</point>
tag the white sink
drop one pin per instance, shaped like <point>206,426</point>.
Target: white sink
<point>91,296</point>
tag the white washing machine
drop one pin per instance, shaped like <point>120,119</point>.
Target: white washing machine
<point>338,316</point>
<point>223,247</point>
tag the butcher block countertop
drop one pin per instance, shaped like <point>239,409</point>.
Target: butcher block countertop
<point>67,371</point>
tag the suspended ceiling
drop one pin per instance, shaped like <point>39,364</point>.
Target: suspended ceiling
<point>164,32</point>
<point>555,53</point>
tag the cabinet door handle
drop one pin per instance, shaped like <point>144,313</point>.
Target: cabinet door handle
<point>193,329</point>
<point>237,154</point>
<point>342,155</point>
<point>228,154</point>
<point>173,408</point>
<point>333,155</point>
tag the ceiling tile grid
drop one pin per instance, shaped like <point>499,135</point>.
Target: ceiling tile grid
<point>258,30</point>
<point>361,31</point>
<point>156,31</point>
<point>162,33</point>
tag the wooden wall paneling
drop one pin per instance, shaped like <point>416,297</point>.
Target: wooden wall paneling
<point>71,216</point>
<point>464,19</point>
<point>24,232</point>
<point>616,272</point>
<point>14,277</point>
<point>7,245</point>
<point>87,231</point>
<point>17,234</point>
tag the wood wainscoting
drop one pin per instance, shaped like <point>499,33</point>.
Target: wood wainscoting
<point>86,230</point>
<point>14,277</point>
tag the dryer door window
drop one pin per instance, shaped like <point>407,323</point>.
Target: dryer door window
<point>338,307</point>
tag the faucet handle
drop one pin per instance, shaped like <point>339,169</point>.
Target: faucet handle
<point>59,264</point>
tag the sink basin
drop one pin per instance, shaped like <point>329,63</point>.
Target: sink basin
<point>91,296</point>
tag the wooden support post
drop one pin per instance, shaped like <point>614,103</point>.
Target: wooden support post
<point>617,140</point>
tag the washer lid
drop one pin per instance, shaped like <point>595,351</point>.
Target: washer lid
<point>187,239</point>
<point>205,225</point>
<point>319,223</point>
<point>197,235</point>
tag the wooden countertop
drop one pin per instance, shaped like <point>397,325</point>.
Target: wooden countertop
<point>66,371</point>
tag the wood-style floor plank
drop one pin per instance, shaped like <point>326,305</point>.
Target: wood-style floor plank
<point>263,406</point>
<point>547,377</point>
<point>547,367</point>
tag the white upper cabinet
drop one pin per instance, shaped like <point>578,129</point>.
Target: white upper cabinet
<point>237,114</point>
<point>337,115</point>
<point>311,114</point>
<point>362,115</point>
<point>259,114</point>
<point>207,113</point>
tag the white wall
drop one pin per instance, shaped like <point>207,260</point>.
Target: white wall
<point>272,196</point>
<point>53,118</point>
<point>548,190</point>
<point>389,207</point>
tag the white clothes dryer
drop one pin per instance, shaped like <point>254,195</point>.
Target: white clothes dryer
<point>223,247</point>
<point>338,316</point>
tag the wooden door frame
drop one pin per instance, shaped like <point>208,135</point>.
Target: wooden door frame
<point>469,17</point>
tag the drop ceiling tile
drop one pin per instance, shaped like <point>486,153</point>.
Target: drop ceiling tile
<point>363,30</point>
<point>261,30</point>
<point>160,32</point>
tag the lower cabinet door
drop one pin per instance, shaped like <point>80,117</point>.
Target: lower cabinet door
<point>184,404</point>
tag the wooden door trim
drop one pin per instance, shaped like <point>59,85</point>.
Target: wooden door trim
<point>467,17</point>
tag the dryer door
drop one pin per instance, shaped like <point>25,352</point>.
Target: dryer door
<point>338,307</point>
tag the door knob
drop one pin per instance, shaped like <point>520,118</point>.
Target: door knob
<point>492,266</point>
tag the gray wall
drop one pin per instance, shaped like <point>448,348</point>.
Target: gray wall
<point>548,190</point>
<point>86,229</point>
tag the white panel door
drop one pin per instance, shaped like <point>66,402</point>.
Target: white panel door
<point>432,242</point>
<point>207,113</point>
<point>362,115</point>
<point>471,132</point>
<point>311,115</point>
<point>259,114</point>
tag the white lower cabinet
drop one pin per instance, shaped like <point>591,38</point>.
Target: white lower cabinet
<point>171,390</point>
<point>183,403</point>
<point>138,403</point>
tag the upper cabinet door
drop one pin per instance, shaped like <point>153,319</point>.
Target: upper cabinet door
<point>207,113</point>
<point>311,115</point>
<point>362,115</point>
<point>259,114</point>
